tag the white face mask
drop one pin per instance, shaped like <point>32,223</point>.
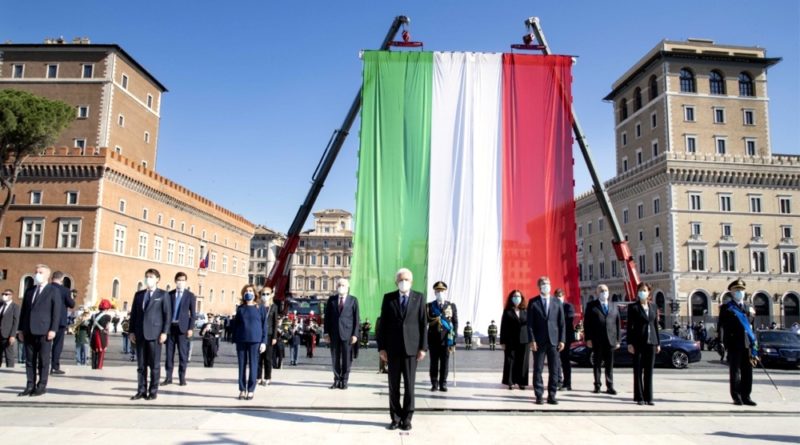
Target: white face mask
<point>604,296</point>
<point>738,296</point>
<point>642,295</point>
<point>150,282</point>
<point>38,278</point>
<point>343,290</point>
<point>516,300</point>
<point>181,285</point>
<point>561,299</point>
<point>545,289</point>
<point>265,298</point>
<point>439,297</point>
<point>6,298</point>
<point>404,285</point>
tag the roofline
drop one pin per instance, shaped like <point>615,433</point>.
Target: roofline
<point>74,46</point>
<point>664,54</point>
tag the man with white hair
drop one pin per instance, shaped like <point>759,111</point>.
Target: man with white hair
<point>39,321</point>
<point>402,342</point>
<point>602,329</point>
<point>341,331</point>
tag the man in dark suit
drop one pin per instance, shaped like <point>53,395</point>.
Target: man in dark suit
<point>68,302</point>
<point>38,324</point>
<point>442,330</point>
<point>9,323</point>
<point>602,326</point>
<point>150,322</point>
<point>342,320</point>
<point>736,332</point>
<point>402,343</point>
<point>546,328</point>
<point>183,304</point>
<point>565,381</point>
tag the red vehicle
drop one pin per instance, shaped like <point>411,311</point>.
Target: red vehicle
<point>303,309</point>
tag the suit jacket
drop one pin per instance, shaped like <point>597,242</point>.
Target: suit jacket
<point>272,322</point>
<point>514,329</point>
<point>569,322</point>
<point>186,312</point>
<point>732,332</point>
<point>44,314</point>
<point>546,329</point>
<point>643,327</point>
<point>150,322</point>
<point>342,326</point>
<point>437,334</point>
<point>9,321</point>
<point>602,329</point>
<point>68,302</point>
<point>399,334</point>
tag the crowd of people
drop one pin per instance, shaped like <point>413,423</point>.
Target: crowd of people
<point>537,329</point>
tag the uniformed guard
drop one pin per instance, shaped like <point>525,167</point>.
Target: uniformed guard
<point>739,339</point>
<point>365,328</point>
<point>468,336</point>
<point>492,331</point>
<point>442,330</point>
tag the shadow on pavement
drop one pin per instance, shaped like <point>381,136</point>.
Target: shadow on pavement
<point>767,437</point>
<point>216,438</point>
<point>300,418</point>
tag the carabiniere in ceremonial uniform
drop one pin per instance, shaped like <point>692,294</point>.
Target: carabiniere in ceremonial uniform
<point>736,332</point>
<point>442,328</point>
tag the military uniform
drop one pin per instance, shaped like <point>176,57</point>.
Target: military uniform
<point>468,336</point>
<point>492,332</point>
<point>365,328</point>
<point>737,335</point>
<point>440,338</point>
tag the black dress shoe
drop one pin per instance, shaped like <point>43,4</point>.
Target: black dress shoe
<point>611,391</point>
<point>139,395</point>
<point>152,396</point>
<point>443,388</point>
<point>568,387</point>
<point>183,383</point>
<point>737,402</point>
<point>434,387</point>
<point>26,392</point>
<point>650,403</point>
<point>749,402</point>
<point>393,426</point>
<point>334,386</point>
<point>539,401</point>
<point>166,382</point>
<point>57,372</point>
<point>343,386</point>
<point>522,387</point>
<point>405,426</point>
<point>640,402</point>
<point>552,401</point>
<point>596,390</point>
<point>510,386</point>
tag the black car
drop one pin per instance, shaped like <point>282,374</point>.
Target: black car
<point>779,347</point>
<point>675,351</point>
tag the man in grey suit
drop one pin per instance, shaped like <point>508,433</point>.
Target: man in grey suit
<point>38,323</point>
<point>546,328</point>
<point>9,323</point>
<point>149,325</point>
<point>402,342</point>
<point>342,320</point>
<point>602,331</point>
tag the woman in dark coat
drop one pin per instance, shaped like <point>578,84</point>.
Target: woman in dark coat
<point>250,336</point>
<point>99,334</point>
<point>643,343</point>
<point>209,333</point>
<point>515,341</point>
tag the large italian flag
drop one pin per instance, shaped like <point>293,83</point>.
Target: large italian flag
<point>465,176</point>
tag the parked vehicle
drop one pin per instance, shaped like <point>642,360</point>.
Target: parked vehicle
<point>675,352</point>
<point>779,347</point>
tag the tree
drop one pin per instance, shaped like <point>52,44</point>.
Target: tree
<point>28,124</point>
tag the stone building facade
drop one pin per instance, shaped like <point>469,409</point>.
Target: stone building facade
<point>323,254</point>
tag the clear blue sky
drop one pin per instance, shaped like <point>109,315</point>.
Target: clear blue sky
<point>257,87</point>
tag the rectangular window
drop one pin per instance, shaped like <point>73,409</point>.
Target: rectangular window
<point>719,115</point>
<point>789,262</point>
<point>694,201</point>
<point>125,81</point>
<point>759,261</point>
<point>722,145</point>
<point>580,231</point>
<point>653,120</point>
<point>638,130</point>
<point>145,214</point>
<point>224,263</point>
<point>655,148</point>
<point>157,247</point>
<point>728,260</point>
<point>697,260</point>
<point>88,71</point>
<point>624,164</point>
<point>640,211</point>
<point>338,260</point>
<point>80,143</point>
<point>642,263</point>
<point>83,111</point>
<point>656,206</point>
<point>688,113</point>
<point>190,257</point>
<point>36,197</point>
<point>725,203</point>
<point>312,261</point>
<point>657,232</point>
<point>118,150</point>
<point>602,269</point>
<point>121,120</point>
<point>52,71</point>
<point>599,224</point>
<point>213,262</point>
<point>143,245</point>
<point>639,157</point>
<point>691,144</point>
<point>757,231</point>
<point>658,261</point>
<point>119,239</point>
<point>750,147</point>
<point>749,117</point>
<point>785,205</point>
<point>146,137</point>
<point>122,206</point>
<point>641,235</point>
<point>589,228</point>
<point>68,233</point>
<point>18,71</point>
<point>32,232</point>
<point>786,232</point>
<point>72,198</point>
<point>755,204</point>
<point>696,229</point>
<point>727,230</point>
<point>170,251</point>
<point>591,271</point>
<point>624,139</point>
<point>301,259</point>
<point>613,268</point>
<point>150,101</point>
<point>324,260</point>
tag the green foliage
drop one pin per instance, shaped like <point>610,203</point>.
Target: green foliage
<point>29,123</point>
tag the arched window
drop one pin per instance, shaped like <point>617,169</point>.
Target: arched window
<point>623,109</point>
<point>637,99</point>
<point>67,282</point>
<point>699,306</point>
<point>115,289</point>
<point>653,85</point>
<point>791,309</point>
<point>746,85</point>
<point>687,81</point>
<point>761,305</point>
<point>716,82</point>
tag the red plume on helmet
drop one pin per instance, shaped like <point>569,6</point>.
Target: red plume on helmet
<point>105,305</point>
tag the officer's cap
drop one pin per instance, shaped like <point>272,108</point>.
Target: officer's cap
<point>737,285</point>
<point>439,285</point>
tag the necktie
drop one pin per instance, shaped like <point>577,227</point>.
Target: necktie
<point>147,296</point>
<point>341,304</point>
<point>605,309</point>
<point>404,303</point>
<point>178,296</point>
<point>546,306</point>
<point>36,294</point>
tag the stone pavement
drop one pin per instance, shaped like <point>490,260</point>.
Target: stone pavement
<point>692,406</point>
